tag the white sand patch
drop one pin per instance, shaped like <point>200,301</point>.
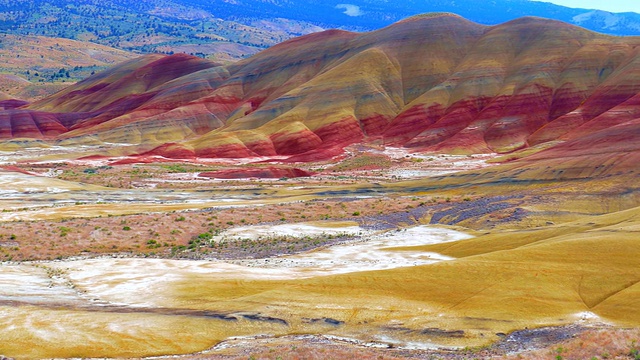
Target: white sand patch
<point>46,197</point>
<point>413,174</point>
<point>295,230</point>
<point>588,316</point>
<point>30,284</point>
<point>147,282</point>
<point>428,165</point>
<point>408,345</point>
<point>37,150</point>
<point>420,165</point>
<point>18,183</point>
<point>371,254</point>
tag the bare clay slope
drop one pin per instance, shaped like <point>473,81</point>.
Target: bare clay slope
<point>436,82</point>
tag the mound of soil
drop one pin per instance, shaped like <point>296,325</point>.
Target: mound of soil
<point>261,173</point>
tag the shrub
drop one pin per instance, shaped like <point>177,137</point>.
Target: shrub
<point>634,352</point>
<point>64,230</point>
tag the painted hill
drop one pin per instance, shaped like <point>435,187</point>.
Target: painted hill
<point>430,83</point>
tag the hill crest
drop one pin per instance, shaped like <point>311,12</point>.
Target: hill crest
<point>432,83</point>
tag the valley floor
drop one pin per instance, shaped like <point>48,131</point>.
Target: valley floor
<point>382,254</point>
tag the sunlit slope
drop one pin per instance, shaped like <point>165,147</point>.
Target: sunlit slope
<point>67,333</point>
<point>464,88</point>
<point>436,82</point>
<point>512,81</point>
<point>498,282</point>
<point>586,270</point>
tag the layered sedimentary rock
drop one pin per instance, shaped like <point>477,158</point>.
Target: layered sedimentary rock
<point>435,82</point>
<point>28,124</point>
<point>262,173</point>
<point>610,152</point>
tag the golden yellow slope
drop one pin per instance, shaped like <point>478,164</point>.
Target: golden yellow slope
<point>501,282</point>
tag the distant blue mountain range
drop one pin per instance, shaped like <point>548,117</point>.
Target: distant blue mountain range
<point>235,29</point>
<point>374,14</point>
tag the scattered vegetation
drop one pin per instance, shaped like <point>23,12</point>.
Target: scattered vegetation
<point>362,162</point>
<point>596,344</point>
<point>213,243</point>
<point>145,27</point>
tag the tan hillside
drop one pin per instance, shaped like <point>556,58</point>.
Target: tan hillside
<point>28,63</point>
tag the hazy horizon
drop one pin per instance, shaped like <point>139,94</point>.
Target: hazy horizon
<point>611,5</point>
